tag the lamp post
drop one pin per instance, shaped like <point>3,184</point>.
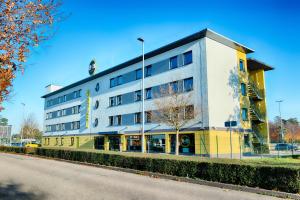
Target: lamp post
<point>21,135</point>
<point>143,95</point>
<point>281,127</point>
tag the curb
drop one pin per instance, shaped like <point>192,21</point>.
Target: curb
<point>180,179</point>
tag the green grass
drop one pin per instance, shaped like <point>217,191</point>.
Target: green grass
<point>285,162</point>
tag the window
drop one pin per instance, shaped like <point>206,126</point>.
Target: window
<point>96,122</point>
<point>97,87</point>
<point>138,74</point>
<point>96,104</point>
<point>119,80</point>
<point>243,89</point>
<point>174,87</point>
<point>137,118</point>
<point>188,84</point>
<point>148,71</point>
<point>72,141</point>
<point>73,110</point>
<point>173,62</point>
<point>56,141</point>
<point>112,101</point>
<point>48,139</point>
<point>112,82</point>
<point>187,58</point>
<point>63,127</point>
<point>189,112</point>
<point>57,127</point>
<point>118,120</point>
<point>148,93</point>
<point>64,112</point>
<point>61,141</point>
<point>137,95</point>
<point>65,98</point>
<point>111,120</point>
<point>58,113</point>
<point>244,114</point>
<point>119,99</point>
<point>148,116</point>
<point>242,67</point>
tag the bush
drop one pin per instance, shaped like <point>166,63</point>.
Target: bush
<point>280,178</point>
<point>260,148</point>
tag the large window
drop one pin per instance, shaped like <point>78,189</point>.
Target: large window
<point>137,118</point>
<point>149,93</point>
<point>118,120</point>
<point>243,89</point>
<point>148,116</point>
<point>138,74</point>
<point>173,62</point>
<point>112,82</point>
<point>119,99</point>
<point>174,86</point>
<point>242,66</point>
<point>187,58</point>
<point>137,95</point>
<point>188,84</point>
<point>119,80</point>
<point>111,120</point>
<point>112,101</point>
<point>244,114</point>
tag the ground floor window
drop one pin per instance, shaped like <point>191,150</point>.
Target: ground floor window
<point>156,143</point>
<point>114,143</point>
<point>186,143</point>
<point>134,143</point>
<point>246,140</point>
<point>99,142</point>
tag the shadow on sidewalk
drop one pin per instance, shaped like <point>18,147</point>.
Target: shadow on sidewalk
<point>13,191</point>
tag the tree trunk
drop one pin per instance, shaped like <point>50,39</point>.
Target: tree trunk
<point>177,143</point>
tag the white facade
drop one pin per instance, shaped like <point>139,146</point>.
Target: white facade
<point>213,65</point>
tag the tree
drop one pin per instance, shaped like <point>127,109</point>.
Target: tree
<point>174,109</point>
<point>24,24</point>
<point>3,121</point>
<point>292,134</point>
<point>30,128</point>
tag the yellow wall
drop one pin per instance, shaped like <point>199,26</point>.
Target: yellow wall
<point>85,142</point>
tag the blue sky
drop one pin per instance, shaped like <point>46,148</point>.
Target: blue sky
<point>107,31</point>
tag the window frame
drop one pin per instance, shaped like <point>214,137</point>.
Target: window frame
<point>147,92</point>
<point>148,71</point>
<point>245,114</point>
<point>137,118</point>
<point>111,120</point>
<point>185,56</point>
<point>190,88</point>
<point>138,74</point>
<point>242,67</point>
<point>170,62</point>
<point>136,94</point>
<point>243,89</point>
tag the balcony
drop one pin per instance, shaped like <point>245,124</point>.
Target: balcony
<point>257,137</point>
<point>255,114</point>
<point>253,91</point>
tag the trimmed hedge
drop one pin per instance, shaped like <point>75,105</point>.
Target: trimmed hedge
<point>286,179</point>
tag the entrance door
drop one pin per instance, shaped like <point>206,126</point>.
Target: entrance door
<point>99,142</point>
<point>114,143</point>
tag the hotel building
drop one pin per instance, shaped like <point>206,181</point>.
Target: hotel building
<point>103,111</point>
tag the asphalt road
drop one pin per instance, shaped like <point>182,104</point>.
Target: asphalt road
<point>23,177</point>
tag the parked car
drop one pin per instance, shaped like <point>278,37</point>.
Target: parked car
<point>32,144</point>
<point>285,147</point>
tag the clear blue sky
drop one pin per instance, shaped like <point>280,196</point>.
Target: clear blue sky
<point>107,31</point>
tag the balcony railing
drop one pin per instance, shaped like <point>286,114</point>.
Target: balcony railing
<point>257,137</point>
<point>254,92</point>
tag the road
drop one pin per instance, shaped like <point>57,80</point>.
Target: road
<point>24,177</point>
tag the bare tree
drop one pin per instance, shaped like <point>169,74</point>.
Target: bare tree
<point>30,128</point>
<point>174,109</point>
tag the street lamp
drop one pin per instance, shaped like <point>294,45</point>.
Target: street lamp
<point>281,127</point>
<point>21,135</point>
<point>143,95</point>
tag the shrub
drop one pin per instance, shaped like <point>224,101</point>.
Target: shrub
<point>280,178</point>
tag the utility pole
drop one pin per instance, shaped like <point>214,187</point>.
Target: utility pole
<point>22,129</point>
<point>143,95</point>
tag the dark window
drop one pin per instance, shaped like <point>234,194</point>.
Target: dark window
<point>148,93</point>
<point>112,101</point>
<point>96,122</point>
<point>56,141</point>
<point>243,89</point>
<point>97,104</point>
<point>148,71</point>
<point>97,87</point>
<point>72,141</point>
<point>111,120</point>
<point>242,67</point>
<point>118,120</point>
<point>138,74</point>
<point>119,80</point>
<point>173,62</point>
<point>112,82</point>
<point>137,118</point>
<point>187,58</point>
<point>244,114</point>
<point>61,141</point>
<point>137,95</point>
<point>148,116</point>
<point>188,84</point>
<point>119,100</point>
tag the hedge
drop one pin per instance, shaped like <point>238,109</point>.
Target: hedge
<point>286,179</point>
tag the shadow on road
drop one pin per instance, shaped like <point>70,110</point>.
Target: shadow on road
<point>13,191</point>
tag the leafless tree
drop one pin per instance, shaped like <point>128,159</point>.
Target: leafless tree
<point>174,108</point>
<point>30,128</point>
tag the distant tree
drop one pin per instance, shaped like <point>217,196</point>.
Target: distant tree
<point>274,131</point>
<point>24,24</point>
<point>292,134</point>
<point>3,121</point>
<point>174,109</point>
<point>30,128</point>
